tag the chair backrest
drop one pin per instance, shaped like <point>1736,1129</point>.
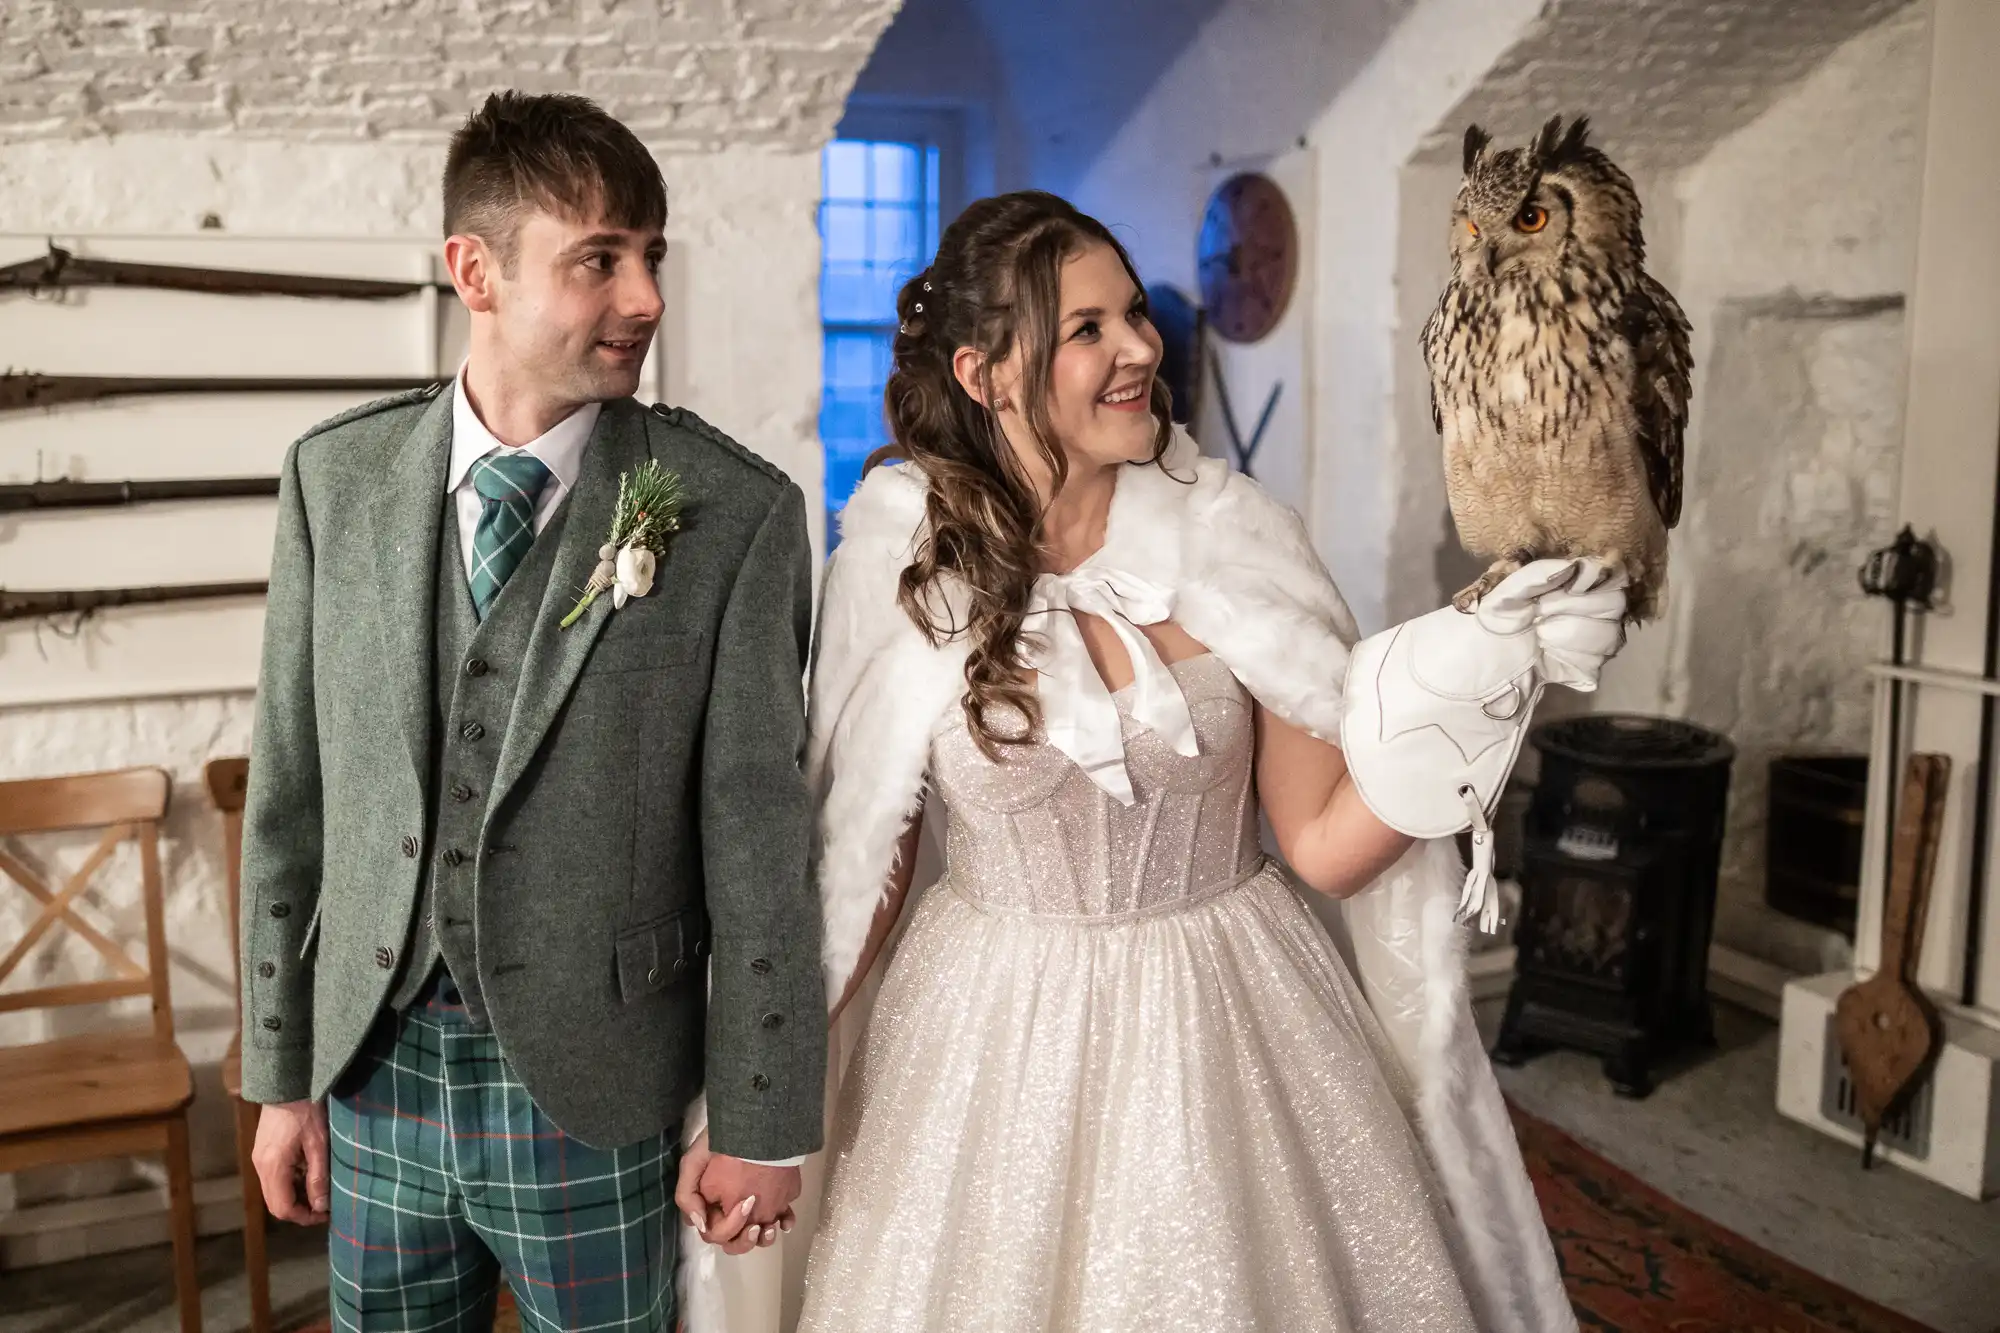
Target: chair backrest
<point>228,779</point>
<point>127,804</point>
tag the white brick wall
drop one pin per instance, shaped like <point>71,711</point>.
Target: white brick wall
<point>686,74</point>
<point>1666,79</point>
<point>328,119</point>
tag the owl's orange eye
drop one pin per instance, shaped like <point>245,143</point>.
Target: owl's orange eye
<point>1531,218</point>
<point>1472,227</point>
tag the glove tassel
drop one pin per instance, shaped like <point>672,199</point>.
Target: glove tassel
<point>1479,899</point>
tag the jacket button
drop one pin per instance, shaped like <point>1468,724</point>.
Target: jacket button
<point>772,1022</point>
<point>476,667</point>
<point>761,966</point>
<point>281,909</point>
<point>471,731</point>
<point>273,1023</point>
<point>409,845</point>
<point>385,957</point>
<point>267,970</point>
<point>461,793</point>
<point>759,1082</point>
<point>453,856</point>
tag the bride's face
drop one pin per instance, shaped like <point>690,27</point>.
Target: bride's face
<point>1107,353</point>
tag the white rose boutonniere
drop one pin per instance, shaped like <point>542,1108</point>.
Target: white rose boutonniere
<point>649,512</point>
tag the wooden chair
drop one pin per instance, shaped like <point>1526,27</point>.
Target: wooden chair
<point>227,780</point>
<point>103,1094</point>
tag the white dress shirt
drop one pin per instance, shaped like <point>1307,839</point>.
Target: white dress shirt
<point>560,448</point>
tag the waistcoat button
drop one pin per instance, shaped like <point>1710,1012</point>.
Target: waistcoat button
<point>385,957</point>
<point>471,731</point>
<point>476,667</point>
<point>461,793</point>
<point>281,910</point>
<point>409,845</point>
<point>759,1082</point>
<point>273,1023</point>
<point>267,969</point>
<point>453,856</point>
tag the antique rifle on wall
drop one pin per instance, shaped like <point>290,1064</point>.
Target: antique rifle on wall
<point>84,601</point>
<point>20,389</point>
<point>39,495</point>
<point>60,269</point>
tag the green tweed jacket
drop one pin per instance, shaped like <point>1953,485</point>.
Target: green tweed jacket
<point>646,805</point>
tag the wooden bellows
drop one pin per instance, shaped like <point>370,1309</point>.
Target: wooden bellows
<point>1888,1028</point>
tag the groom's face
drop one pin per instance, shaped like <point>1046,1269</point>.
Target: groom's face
<point>577,309</point>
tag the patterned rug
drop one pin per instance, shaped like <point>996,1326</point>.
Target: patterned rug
<point>1637,1262</point>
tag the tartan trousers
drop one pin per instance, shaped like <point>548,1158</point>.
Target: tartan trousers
<point>446,1176</point>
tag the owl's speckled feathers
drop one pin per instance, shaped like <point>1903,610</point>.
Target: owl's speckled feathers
<point>1559,367</point>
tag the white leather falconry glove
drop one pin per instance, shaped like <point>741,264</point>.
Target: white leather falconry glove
<point>1436,708</point>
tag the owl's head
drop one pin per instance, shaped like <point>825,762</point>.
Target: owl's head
<point>1539,208</point>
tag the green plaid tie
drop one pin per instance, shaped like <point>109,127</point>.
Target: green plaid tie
<point>508,485</point>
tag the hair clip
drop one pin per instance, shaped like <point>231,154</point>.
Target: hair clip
<point>918,307</point>
<point>927,285</point>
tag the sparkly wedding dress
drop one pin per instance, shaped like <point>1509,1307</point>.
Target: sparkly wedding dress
<point>1117,1077</point>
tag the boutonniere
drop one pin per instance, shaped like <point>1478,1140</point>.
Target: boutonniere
<point>649,512</point>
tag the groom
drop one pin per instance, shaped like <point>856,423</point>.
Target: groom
<point>514,892</point>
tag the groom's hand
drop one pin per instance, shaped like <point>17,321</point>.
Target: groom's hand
<point>290,1155</point>
<point>736,1205</point>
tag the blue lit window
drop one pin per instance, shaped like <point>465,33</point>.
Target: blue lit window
<point>878,225</point>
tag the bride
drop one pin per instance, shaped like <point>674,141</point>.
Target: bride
<point>1116,1075</point>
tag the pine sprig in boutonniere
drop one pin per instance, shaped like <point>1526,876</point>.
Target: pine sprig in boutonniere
<point>649,512</point>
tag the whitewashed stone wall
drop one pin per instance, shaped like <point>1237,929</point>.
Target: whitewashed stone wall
<point>329,119</point>
<point>1799,250</point>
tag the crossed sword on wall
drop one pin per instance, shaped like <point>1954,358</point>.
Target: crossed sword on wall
<point>1241,452</point>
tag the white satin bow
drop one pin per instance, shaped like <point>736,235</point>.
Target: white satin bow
<point>1078,712</point>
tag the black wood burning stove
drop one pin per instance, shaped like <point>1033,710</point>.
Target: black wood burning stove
<point>1620,851</point>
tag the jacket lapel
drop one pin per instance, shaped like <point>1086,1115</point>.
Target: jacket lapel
<point>555,655</point>
<point>404,519</point>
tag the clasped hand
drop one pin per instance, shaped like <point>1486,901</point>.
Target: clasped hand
<point>737,1206</point>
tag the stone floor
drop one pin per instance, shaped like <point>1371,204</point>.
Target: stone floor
<point>1708,1137</point>
<point>133,1292</point>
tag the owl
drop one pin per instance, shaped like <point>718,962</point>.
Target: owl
<point>1559,367</point>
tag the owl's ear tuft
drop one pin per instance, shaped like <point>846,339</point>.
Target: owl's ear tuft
<point>1544,150</point>
<point>1476,140</point>
<point>1554,145</point>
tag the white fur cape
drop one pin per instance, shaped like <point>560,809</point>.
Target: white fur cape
<point>1247,584</point>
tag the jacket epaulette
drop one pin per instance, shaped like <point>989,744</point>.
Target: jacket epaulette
<point>369,409</point>
<point>686,420</point>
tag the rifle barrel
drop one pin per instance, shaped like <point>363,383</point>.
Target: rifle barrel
<point>95,494</point>
<point>23,389</point>
<point>61,268</point>
<point>16,605</point>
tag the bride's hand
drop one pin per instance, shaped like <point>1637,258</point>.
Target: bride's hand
<point>727,1228</point>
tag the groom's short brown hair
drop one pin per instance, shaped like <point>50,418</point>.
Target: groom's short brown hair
<point>554,151</point>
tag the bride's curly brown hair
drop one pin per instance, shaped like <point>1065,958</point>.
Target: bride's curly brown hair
<point>995,286</point>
